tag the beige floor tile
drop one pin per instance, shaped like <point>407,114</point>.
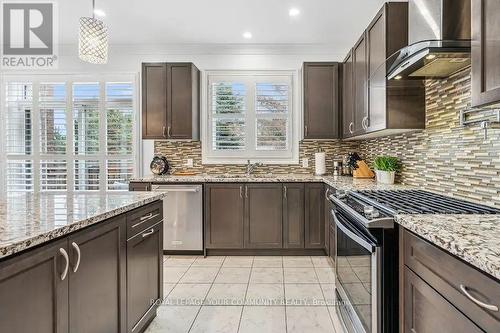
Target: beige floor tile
<point>265,294</point>
<point>233,275</point>
<point>359,260</point>
<point>167,288</point>
<point>268,262</point>
<point>208,262</point>
<point>266,275</point>
<point>217,319</point>
<point>297,262</point>
<point>173,274</point>
<point>179,261</point>
<point>237,261</point>
<point>226,294</point>
<point>263,319</point>
<point>310,319</point>
<point>304,295</point>
<point>200,275</point>
<point>329,293</point>
<point>173,319</point>
<point>325,275</point>
<point>188,294</point>
<point>300,275</point>
<point>322,262</point>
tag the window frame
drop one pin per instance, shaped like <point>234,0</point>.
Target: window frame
<point>251,77</point>
<point>69,156</point>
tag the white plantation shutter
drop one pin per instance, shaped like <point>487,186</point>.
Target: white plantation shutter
<point>65,134</point>
<point>249,117</point>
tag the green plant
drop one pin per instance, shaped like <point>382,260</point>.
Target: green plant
<point>386,163</point>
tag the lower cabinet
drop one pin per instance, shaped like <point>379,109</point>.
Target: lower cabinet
<point>314,216</point>
<point>293,215</point>
<point>263,216</point>
<point>224,212</point>
<point>34,292</point>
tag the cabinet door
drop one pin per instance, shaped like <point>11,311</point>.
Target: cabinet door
<point>154,101</point>
<point>314,218</point>
<point>144,276</point>
<point>321,99</point>
<point>360,85</point>
<point>180,100</point>
<point>263,216</point>
<point>347,100</point>
<point>485,52</point>
<point>426,311</point>
<point>97,298</point>
<point>376,55</point>
<point>293,215</point>
<point>33,298</point>
<point>224,210</point>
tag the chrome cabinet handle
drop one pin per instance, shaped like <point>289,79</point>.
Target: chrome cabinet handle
<point>327,193</point>
<point>241,192</point>
<point>246,191</point>
<point>351,125</point>
<point>285,191</point>
<point>147,216</point>
<point>163,132</point>
<point>148,233</point>
<point>77,249</point>
<point>305,130</point>
<point>364,123</point>
<point>478,302</point>
<point>169,131</point>
<point>65,255</point>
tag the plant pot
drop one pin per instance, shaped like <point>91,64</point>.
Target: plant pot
<point>385,177</point>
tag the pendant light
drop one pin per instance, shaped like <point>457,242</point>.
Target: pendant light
<point>93,39</point>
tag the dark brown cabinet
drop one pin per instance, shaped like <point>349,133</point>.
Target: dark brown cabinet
<point>321,100</point>
<point>263,216</point>
<point>136,186</point>
<point>314,216</point>
<point>224,216</point>
<point>33,297</point>
<point>170,101</point>
<point>144,275</point>
<point>441,293</point>
<point>293,215</point>
<point>329,241</point>
<point>97,281</point>
<point>380,106</point>
<point>485,52</point>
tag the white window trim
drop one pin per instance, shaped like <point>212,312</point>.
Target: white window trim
<point>69,78</point>
<point>265,157</point>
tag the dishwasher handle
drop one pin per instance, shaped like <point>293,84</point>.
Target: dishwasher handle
<point>166,189</point>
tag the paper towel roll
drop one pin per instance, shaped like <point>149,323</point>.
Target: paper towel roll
<point>320,164</point>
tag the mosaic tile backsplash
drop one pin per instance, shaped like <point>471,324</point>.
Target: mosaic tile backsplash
<point>446,157</point>
<point>178,151</point>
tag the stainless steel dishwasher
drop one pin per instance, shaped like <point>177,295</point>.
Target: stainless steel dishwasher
<point>182,217</point>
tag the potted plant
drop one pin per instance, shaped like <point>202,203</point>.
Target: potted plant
<point>385,168</point>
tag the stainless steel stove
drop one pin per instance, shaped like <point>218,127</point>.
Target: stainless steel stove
<point>367,250</point>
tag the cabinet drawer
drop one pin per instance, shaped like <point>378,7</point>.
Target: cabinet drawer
<point>461,284</point>
<point>143,218</point>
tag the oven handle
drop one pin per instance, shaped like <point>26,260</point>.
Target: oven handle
<point>368,246</point>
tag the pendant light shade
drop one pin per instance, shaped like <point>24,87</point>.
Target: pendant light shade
<point>93,40</point>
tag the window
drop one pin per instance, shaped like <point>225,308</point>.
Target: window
<point>68,134</point>
<point>250,115</point>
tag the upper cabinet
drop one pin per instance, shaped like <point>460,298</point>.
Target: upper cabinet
<point>170,101</point>
<point>485,52</point>
<point>321,100</point>
<point>374,106</point>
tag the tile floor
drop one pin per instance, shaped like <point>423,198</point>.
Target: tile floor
<point>247,294</point>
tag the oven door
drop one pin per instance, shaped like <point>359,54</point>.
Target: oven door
<point>357,275</point>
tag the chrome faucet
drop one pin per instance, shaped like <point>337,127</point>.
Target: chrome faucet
<point>251,167</point>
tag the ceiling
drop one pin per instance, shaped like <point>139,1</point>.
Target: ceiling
<point>336,23</point>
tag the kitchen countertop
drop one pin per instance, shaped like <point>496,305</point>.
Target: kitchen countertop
<point>472,238</point>
<point>339,182</point>
<point>27,220</point>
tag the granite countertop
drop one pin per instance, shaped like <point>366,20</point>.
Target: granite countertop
<point>27,220</point>
<point>339,182</point>
<point>472,238</point>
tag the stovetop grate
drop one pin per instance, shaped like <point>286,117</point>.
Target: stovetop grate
<point>423,202</point>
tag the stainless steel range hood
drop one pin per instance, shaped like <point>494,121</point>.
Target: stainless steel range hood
<point>439,35</point>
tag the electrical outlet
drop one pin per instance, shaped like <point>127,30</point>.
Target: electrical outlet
<point>189,162</point>
<point>305,162</point>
